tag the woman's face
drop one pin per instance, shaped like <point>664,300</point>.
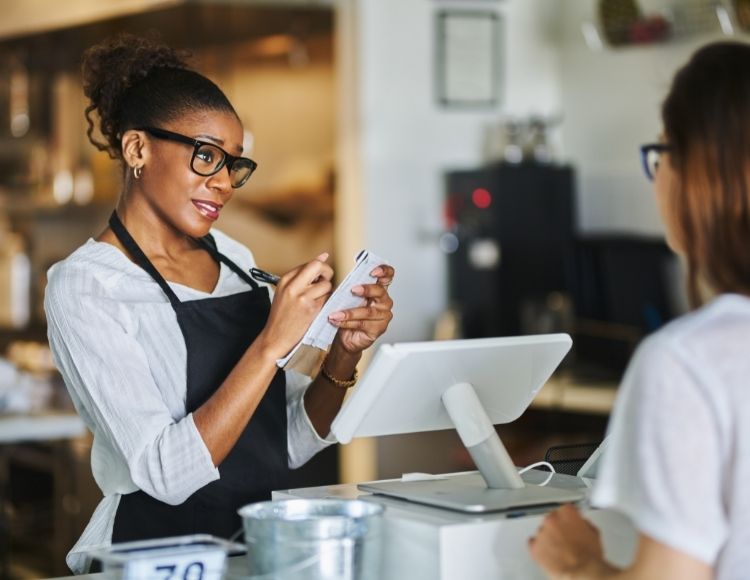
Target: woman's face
<point>186,201</point>
<point>665,185</point>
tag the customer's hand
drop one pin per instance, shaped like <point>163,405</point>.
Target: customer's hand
<point>569,547</point>
<point>360,327</point>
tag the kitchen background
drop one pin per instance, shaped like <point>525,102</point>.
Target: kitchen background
<point>489,148</point>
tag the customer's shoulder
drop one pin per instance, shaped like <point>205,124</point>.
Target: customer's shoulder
<point>707,333</point>
<point>724,316</point>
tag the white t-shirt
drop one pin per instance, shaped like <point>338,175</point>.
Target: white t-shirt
<point>678,460</point>
<point>115,339</point>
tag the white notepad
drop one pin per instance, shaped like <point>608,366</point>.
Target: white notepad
<point>310,351</point>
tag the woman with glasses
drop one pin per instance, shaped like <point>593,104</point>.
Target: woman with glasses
<point>678,458</point>
<point>167,346</point>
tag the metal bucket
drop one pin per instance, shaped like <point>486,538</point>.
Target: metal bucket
<point>314,539</point>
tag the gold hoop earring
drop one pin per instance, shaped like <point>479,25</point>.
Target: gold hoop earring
<point>137,172</point>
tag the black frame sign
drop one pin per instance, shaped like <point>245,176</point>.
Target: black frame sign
<point>468,58</point>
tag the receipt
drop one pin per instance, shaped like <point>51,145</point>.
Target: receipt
<point>321,332</point>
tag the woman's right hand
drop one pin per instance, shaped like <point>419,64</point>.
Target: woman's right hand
<point>299,296</point>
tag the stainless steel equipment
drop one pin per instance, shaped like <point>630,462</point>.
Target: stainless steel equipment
<point>319,539</point>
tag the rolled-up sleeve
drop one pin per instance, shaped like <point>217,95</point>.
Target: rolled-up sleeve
<point>107,373</point>
<point>303,442</point>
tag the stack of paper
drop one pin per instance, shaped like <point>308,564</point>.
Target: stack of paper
<point>310,351</point>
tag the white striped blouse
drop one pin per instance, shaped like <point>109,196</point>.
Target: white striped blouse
<point>116,342</point>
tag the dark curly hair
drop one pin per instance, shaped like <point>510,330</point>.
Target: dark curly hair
<point>134,81</point>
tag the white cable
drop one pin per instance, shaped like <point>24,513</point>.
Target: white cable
<point>537,464</point>
<point>540,464</point>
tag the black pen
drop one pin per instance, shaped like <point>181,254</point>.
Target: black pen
<point>263,276</point>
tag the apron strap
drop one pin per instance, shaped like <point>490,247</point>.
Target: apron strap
<point>209,244</point>
<point>135,251</point>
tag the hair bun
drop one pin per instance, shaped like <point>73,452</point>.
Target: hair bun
<point>112,67</point>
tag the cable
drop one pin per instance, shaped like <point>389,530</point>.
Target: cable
<point>546,464</point>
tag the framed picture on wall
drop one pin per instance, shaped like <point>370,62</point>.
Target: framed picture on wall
<point>468,63</point>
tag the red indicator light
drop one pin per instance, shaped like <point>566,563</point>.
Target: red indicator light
<point>481,198</point>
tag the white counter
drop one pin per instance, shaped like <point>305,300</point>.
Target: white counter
<point>426,543</point>
<point>40,427</point>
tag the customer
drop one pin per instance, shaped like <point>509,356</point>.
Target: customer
<point>678,461</point>
<point>166,345</point>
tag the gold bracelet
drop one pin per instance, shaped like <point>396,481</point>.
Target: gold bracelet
<point>338,382</point>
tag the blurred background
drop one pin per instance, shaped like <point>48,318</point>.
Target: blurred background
<point>488,148</point>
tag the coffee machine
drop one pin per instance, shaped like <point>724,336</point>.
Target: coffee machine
<point>510,257</point>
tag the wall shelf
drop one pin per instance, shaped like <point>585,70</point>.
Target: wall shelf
<point>564,393</point>
<point>674,22</point>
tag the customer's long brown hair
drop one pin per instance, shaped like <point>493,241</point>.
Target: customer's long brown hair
<point>706,120</point>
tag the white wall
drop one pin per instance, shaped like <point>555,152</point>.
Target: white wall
<point>408,141</point>
<point>396,143</point>
<point>611,101</point>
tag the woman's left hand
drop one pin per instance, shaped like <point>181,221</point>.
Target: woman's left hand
<point>360,327</point>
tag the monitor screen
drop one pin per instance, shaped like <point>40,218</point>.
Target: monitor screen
<point>472,384</point>
<point>401,391</point>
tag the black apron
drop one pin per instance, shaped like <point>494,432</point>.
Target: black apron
<point>217,332</point>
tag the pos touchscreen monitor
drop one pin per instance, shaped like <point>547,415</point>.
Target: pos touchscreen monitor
<point>470,385</point>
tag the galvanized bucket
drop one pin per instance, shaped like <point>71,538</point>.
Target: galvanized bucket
<point>313,539</point>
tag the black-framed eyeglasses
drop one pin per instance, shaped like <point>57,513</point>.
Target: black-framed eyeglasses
<point>208,159</point>
<point>650,154</point>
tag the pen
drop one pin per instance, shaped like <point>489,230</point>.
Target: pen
<point>263,276</point>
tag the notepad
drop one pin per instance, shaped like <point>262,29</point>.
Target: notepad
<point>309,352</point>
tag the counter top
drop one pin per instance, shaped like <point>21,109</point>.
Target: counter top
<point>565,394</point>
<point>427,543</point>
<point>40,427</point>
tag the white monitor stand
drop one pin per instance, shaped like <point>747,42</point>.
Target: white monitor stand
<point>471,385</point>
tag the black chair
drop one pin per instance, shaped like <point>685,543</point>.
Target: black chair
<point>568,459</point>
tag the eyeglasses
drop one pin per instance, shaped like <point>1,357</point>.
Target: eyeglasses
<point>650,154</point>
<point>208,159</point>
